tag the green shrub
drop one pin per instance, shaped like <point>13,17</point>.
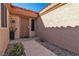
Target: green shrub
<point>18,50</point>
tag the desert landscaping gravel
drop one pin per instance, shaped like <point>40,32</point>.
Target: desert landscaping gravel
<point>56,49</point>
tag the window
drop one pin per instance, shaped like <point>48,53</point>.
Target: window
<point>3,16</point>
<point>32,25</point>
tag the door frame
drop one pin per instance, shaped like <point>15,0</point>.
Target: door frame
<point>31,33</point>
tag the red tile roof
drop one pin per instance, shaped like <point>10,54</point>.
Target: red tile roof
<point>23,9</point>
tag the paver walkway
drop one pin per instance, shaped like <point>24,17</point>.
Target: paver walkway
<point>33,48</point>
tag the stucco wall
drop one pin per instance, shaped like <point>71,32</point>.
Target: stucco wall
<point>17,24</point>
<point>4,40</point>
<point>4,36</point>
<point>61,27</point>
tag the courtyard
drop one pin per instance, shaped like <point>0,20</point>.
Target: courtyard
<point>37,47</point>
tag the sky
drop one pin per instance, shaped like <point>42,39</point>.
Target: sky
<point>31,6</point>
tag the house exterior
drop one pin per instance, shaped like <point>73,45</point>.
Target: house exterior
<point>24,20</point>
<point>58,23</point>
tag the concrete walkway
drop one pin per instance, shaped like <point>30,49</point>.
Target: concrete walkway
<point>23,39</point>
<point>33,48</point>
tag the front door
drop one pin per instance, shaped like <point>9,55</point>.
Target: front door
<point>24,30</point>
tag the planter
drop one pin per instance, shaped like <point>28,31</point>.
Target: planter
<point>15,48</point>
<point>12,35</point>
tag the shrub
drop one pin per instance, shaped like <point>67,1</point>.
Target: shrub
<point>18,50</point>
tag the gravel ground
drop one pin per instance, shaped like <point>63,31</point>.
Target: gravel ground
<point>56,49</point>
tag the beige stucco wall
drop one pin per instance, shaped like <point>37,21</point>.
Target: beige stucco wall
<point>66,15</point>
<point>4,36</point>
<point>61,27</point>
<point>4,40</point>
<point>17,24</point>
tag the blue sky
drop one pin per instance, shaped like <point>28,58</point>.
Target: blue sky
<point>32,6</point>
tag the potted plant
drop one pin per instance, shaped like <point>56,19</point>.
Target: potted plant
<point>12,30</point>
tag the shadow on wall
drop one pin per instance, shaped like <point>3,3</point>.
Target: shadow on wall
<point>65,37</point>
